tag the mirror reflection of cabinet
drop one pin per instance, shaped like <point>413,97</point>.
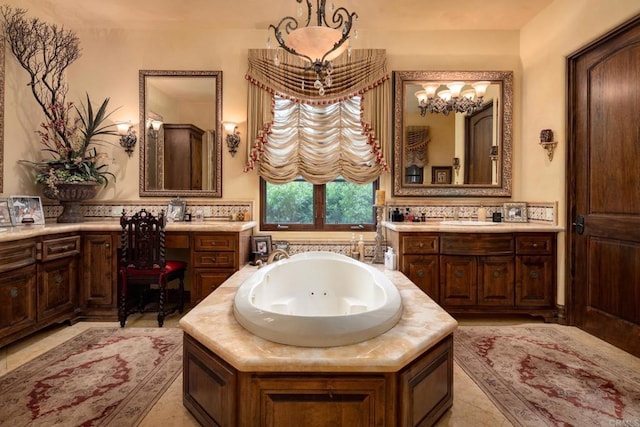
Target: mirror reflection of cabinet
<point>189,98</point>
<point>476,146</point>
<point>182,157</point>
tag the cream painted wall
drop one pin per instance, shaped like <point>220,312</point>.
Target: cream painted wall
<point>545,43</point>
<point>537,55</point>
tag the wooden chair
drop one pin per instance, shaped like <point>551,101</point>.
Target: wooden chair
<point>144,271</point>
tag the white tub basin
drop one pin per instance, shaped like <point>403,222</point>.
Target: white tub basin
<point>317,299</point>
<point>469,223</point>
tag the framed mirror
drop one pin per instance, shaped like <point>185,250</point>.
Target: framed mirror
<point>180,133</point>
<point>448,145</point>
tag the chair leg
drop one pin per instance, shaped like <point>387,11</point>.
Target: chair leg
<point>161,313</point>
<point>122,307</point>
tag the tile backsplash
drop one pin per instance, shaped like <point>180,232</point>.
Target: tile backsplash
<point>100,209</point>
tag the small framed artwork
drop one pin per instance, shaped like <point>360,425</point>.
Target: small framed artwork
<point>261,246</point>
<point>176,210</point>
<point>26,210</point>
<point>514,212</point>
<point>5,214</point>
<point>441,174</point>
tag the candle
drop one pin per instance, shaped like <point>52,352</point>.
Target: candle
<point>380,197</point>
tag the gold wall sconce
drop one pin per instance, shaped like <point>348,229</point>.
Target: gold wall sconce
<point>547,142</point>
<point>128,137</point>
<point>233,137</point>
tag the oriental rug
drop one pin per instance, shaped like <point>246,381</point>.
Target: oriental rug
<point>102,377</point>
<point>539,376</point>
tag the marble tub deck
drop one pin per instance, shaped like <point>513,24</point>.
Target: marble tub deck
<point>422,325</point>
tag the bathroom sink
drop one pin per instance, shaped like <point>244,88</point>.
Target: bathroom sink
<point>469,223</point>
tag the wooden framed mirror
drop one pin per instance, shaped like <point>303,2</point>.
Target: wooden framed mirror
<point>476,147</point>
<point>181,133</point>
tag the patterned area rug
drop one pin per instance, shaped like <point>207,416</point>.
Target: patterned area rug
<point>538,376</point>
<point>102,377</point>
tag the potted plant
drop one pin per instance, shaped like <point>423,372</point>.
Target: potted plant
<point>71,170</point>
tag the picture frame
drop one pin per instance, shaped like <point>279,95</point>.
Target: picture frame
<point>5,214</point>
<point>26,210</point>
<point>261,246</point>
<point>441,175</point>
<point>514,212</point>
<point>176,210</point>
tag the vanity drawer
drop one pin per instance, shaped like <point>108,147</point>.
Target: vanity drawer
<point>213,259</point>
<point>214,242</point>
<point>420,244</point>
<point>17,254</point>
<point>60,248</point>
<point>534,244</point>
<point>476,244</point>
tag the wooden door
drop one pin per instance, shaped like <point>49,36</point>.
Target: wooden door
<point>604,188</point>
<point>478,141</point>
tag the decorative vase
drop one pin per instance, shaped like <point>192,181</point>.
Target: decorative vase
<point>71,195</point>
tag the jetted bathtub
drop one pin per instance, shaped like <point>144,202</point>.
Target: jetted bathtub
<point>317,299</point>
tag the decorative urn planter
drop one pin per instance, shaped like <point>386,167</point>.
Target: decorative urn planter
<point>71,195</point>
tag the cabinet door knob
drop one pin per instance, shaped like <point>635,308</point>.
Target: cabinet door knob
<point>13,292</point>
<point>421,245</point>
<point>420,273</point>
<point>496,273</point>
<point>458,274</point>
<point>107,245</point>
<point>533,274</point>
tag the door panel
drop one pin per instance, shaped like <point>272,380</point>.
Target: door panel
<point>604,160</point>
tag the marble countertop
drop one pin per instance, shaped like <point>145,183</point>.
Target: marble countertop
<point>29,231</point>
<point>501,227</point>
<point>422,325</point>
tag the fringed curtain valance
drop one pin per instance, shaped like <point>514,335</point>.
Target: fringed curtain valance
<point>297,133</point>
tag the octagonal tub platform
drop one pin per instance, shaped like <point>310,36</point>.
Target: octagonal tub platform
<point>403,376</point>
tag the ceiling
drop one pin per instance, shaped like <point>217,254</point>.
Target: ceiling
<point>383,15</point>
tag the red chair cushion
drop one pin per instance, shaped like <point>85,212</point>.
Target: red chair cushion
<point>170,267</point>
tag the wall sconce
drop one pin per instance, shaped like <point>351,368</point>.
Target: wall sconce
<point>456,165</point>
<point>493,153</point>
<point>547,142</point>
<point>128,137</point>
<point>154,126</point>
<point>233,137</point>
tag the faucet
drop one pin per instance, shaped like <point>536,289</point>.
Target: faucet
<point>276,255</point>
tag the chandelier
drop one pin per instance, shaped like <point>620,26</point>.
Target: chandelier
<point>317,44</point>
<point>459,97</point>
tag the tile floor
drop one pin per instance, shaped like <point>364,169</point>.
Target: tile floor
<point>471,407</point>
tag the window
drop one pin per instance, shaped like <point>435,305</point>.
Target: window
<point>335,206</point>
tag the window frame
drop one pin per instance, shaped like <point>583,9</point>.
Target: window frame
<point>319,208</point>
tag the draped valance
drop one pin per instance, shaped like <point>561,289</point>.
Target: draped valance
<point>295,132</point>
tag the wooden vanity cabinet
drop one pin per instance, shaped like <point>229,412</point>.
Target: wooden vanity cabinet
<point>489,273</point>
<point>476,270</point>
<point>38,284</point>
<point>214,258</point>
<point>18,277</point>
<point>58,278</point>
<point>535,270</point>
<point>420,262</point>
<point>99,285</point>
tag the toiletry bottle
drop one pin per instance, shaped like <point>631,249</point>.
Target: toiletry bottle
<point>390,259</point>
<point>352,245</point>
<point>361,247</point>
<point>482,214</point>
